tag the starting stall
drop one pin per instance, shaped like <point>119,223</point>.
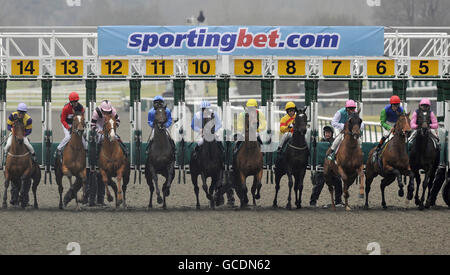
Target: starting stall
<point>257,53</point>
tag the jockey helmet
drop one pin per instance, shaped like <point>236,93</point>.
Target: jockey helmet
<point>252,103</point>
<point>394,99</point>
<point>350,104</point>
<point>425,101</point>
<point>328,128</point>
<point>105,106</point>
<point>158,98</point>
<point>289,105</point>
<point>22,107</point>
<point>74,96</point>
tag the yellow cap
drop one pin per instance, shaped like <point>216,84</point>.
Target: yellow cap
<point>290,105</point>
<point>252,103</point>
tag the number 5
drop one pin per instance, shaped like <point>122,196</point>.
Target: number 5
<point>74,248</point>
<point>423,66</point>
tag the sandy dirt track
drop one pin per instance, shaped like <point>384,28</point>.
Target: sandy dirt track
<point>261,230</point>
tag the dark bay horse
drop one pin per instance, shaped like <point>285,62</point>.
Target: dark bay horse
<point>394,161</point>
<point>209,162</point>
<point>20,169</point>
<point>160,158</point>
<point>248,162</point>
<point>113,162</point>
<point>349,160</point>
<point>424,155</point>
<point>294,160</point>
<point>73,163</point>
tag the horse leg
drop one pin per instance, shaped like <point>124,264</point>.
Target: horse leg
<point>253,190</point>
<point>367,187</point>
<point>361,181</point>
<point>149,177</point>
<point>290,183</point>
<point>277,188</point>
<point>105,180</point>
<point>34,189</point>
<point>301,177</point>
<point>259,184</point>
<point>119,198</point>
<point>398,175</point>
<point>416,196</point>
<point>212,187</point>
<point>243,191</point>
<point>385,182</point>
<point>194,178</point>
<point>5,194</point>
<point>205,186</point>
<point>155,182</point>
<point>346,195</point>
<point>24,192</point>
<point>329,183</point>
<point>424,187</point>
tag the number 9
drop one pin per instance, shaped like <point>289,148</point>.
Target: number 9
<point>248,64</point>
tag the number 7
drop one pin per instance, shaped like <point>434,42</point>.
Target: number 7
<point>337,66</point>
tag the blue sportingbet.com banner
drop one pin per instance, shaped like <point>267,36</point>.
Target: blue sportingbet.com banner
<point>241,40</point>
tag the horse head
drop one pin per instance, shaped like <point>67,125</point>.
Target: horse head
<point>301,121</point>
<point>160,116</point>
<point>18,129</point>
<point>402,126</point>
<point>78,124</point>
<point>354,124</point>
<point>423,121</point>
<point>110,128</point>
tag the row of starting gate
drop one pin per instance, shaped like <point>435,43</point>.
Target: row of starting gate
<point>137,146</point>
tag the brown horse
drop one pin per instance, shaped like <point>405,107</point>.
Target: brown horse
<point>248,162</point>
<point>113,162</point>
<point>395,162</point>
<point>20,169</point>
<point>73,163</point>
<point>349,160</point>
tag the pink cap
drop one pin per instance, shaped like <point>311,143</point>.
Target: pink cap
<point>106,106</point>
<point>425,101</point>
<point>350,104</point>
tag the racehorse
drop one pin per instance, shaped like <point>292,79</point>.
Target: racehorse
<point>424,155</point>
<point>73,163</point>
<point>113,162</point>
<point>349,159</point>
<point>160,158</point>
<point>248,162</point>
<point>208,163</point>
<point>294,160</point>
<point>20,169</point>
<point>394,162</point>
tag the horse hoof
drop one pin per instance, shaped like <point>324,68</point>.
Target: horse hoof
<point>197,206</point>
<point>401,193</point>
<point>5,205</point>
<point>275,205</point>
<point>299,206</point>
<point>36,206</point>
<point>257,196</point>
<point>427,204</point>
<point>159,200</point>
<point>366,207</point>
<point>417,201</point>
<point>288,207</point>
<point>230,203</point>
<point>348,208</point>
<point>421,207</point>
<point>384,206</point>
<point>109,198</point>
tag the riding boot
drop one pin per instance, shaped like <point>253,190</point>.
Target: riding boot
<point>382,140</point>
<point>221,146</point>
<point>5,155</point>
<point>33,157</point>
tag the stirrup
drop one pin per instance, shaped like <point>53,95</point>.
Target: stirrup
<point>331,155</point>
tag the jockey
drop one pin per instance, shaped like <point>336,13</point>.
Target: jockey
<point>67,117</point>
<point>261,119</point>
<point>424,106</point>
<point>197,122</point>
<point>21,113</point>
<point>388,118</point>
<point>338,122</point>
<point>158,101</point>
<point>97,120</point>
<point>287,123</point>
<point>328,132</point>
